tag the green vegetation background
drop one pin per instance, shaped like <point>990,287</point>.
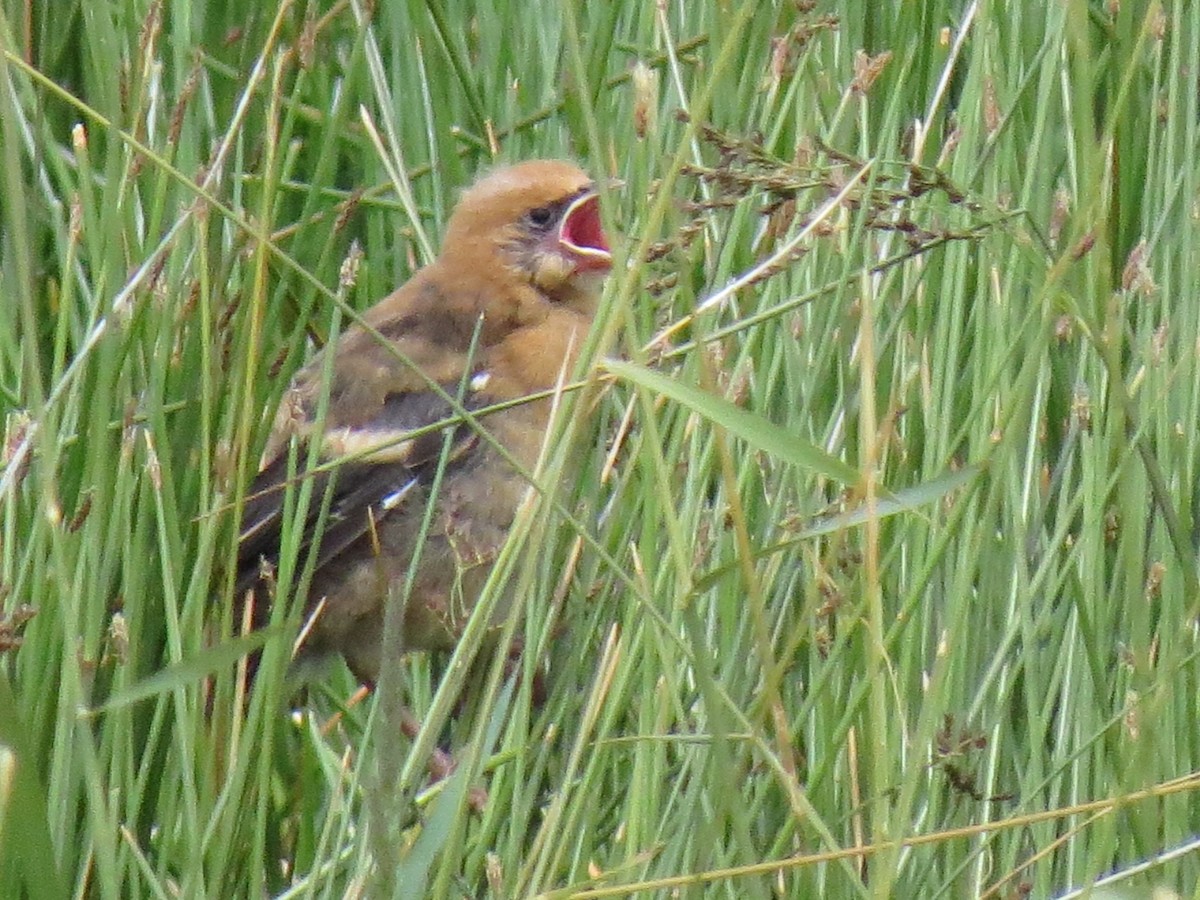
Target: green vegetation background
<point>880,575</point>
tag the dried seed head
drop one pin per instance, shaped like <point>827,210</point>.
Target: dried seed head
<point>867,70</point>
<point>1137,276</point>
<point>645,98</point>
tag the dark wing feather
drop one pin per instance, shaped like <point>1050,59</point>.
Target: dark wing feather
<point>361,491</point>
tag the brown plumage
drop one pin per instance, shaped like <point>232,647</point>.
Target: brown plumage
<point>499,315</point>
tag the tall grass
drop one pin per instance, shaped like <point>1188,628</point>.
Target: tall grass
<point>879,577</point>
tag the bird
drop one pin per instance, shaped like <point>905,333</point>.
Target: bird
<point>500,315</point>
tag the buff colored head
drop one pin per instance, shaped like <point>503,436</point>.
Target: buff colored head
<point>542,218</point>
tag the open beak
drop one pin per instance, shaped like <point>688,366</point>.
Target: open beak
<point>582,236</point>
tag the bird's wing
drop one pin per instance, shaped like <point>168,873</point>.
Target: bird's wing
<point>379,422</point>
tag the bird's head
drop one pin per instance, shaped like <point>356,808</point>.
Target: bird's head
<point>542,219</point>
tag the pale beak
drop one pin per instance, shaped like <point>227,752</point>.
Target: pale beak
<point>582,236</point>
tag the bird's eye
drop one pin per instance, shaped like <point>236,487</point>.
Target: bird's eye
<point>541,217</point>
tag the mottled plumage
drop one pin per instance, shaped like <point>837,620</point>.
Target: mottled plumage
<point>499,315</point>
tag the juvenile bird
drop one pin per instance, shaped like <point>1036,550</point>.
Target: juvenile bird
<point>499,315</point>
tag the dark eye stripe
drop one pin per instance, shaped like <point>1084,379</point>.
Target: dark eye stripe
<point>542,216</point>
